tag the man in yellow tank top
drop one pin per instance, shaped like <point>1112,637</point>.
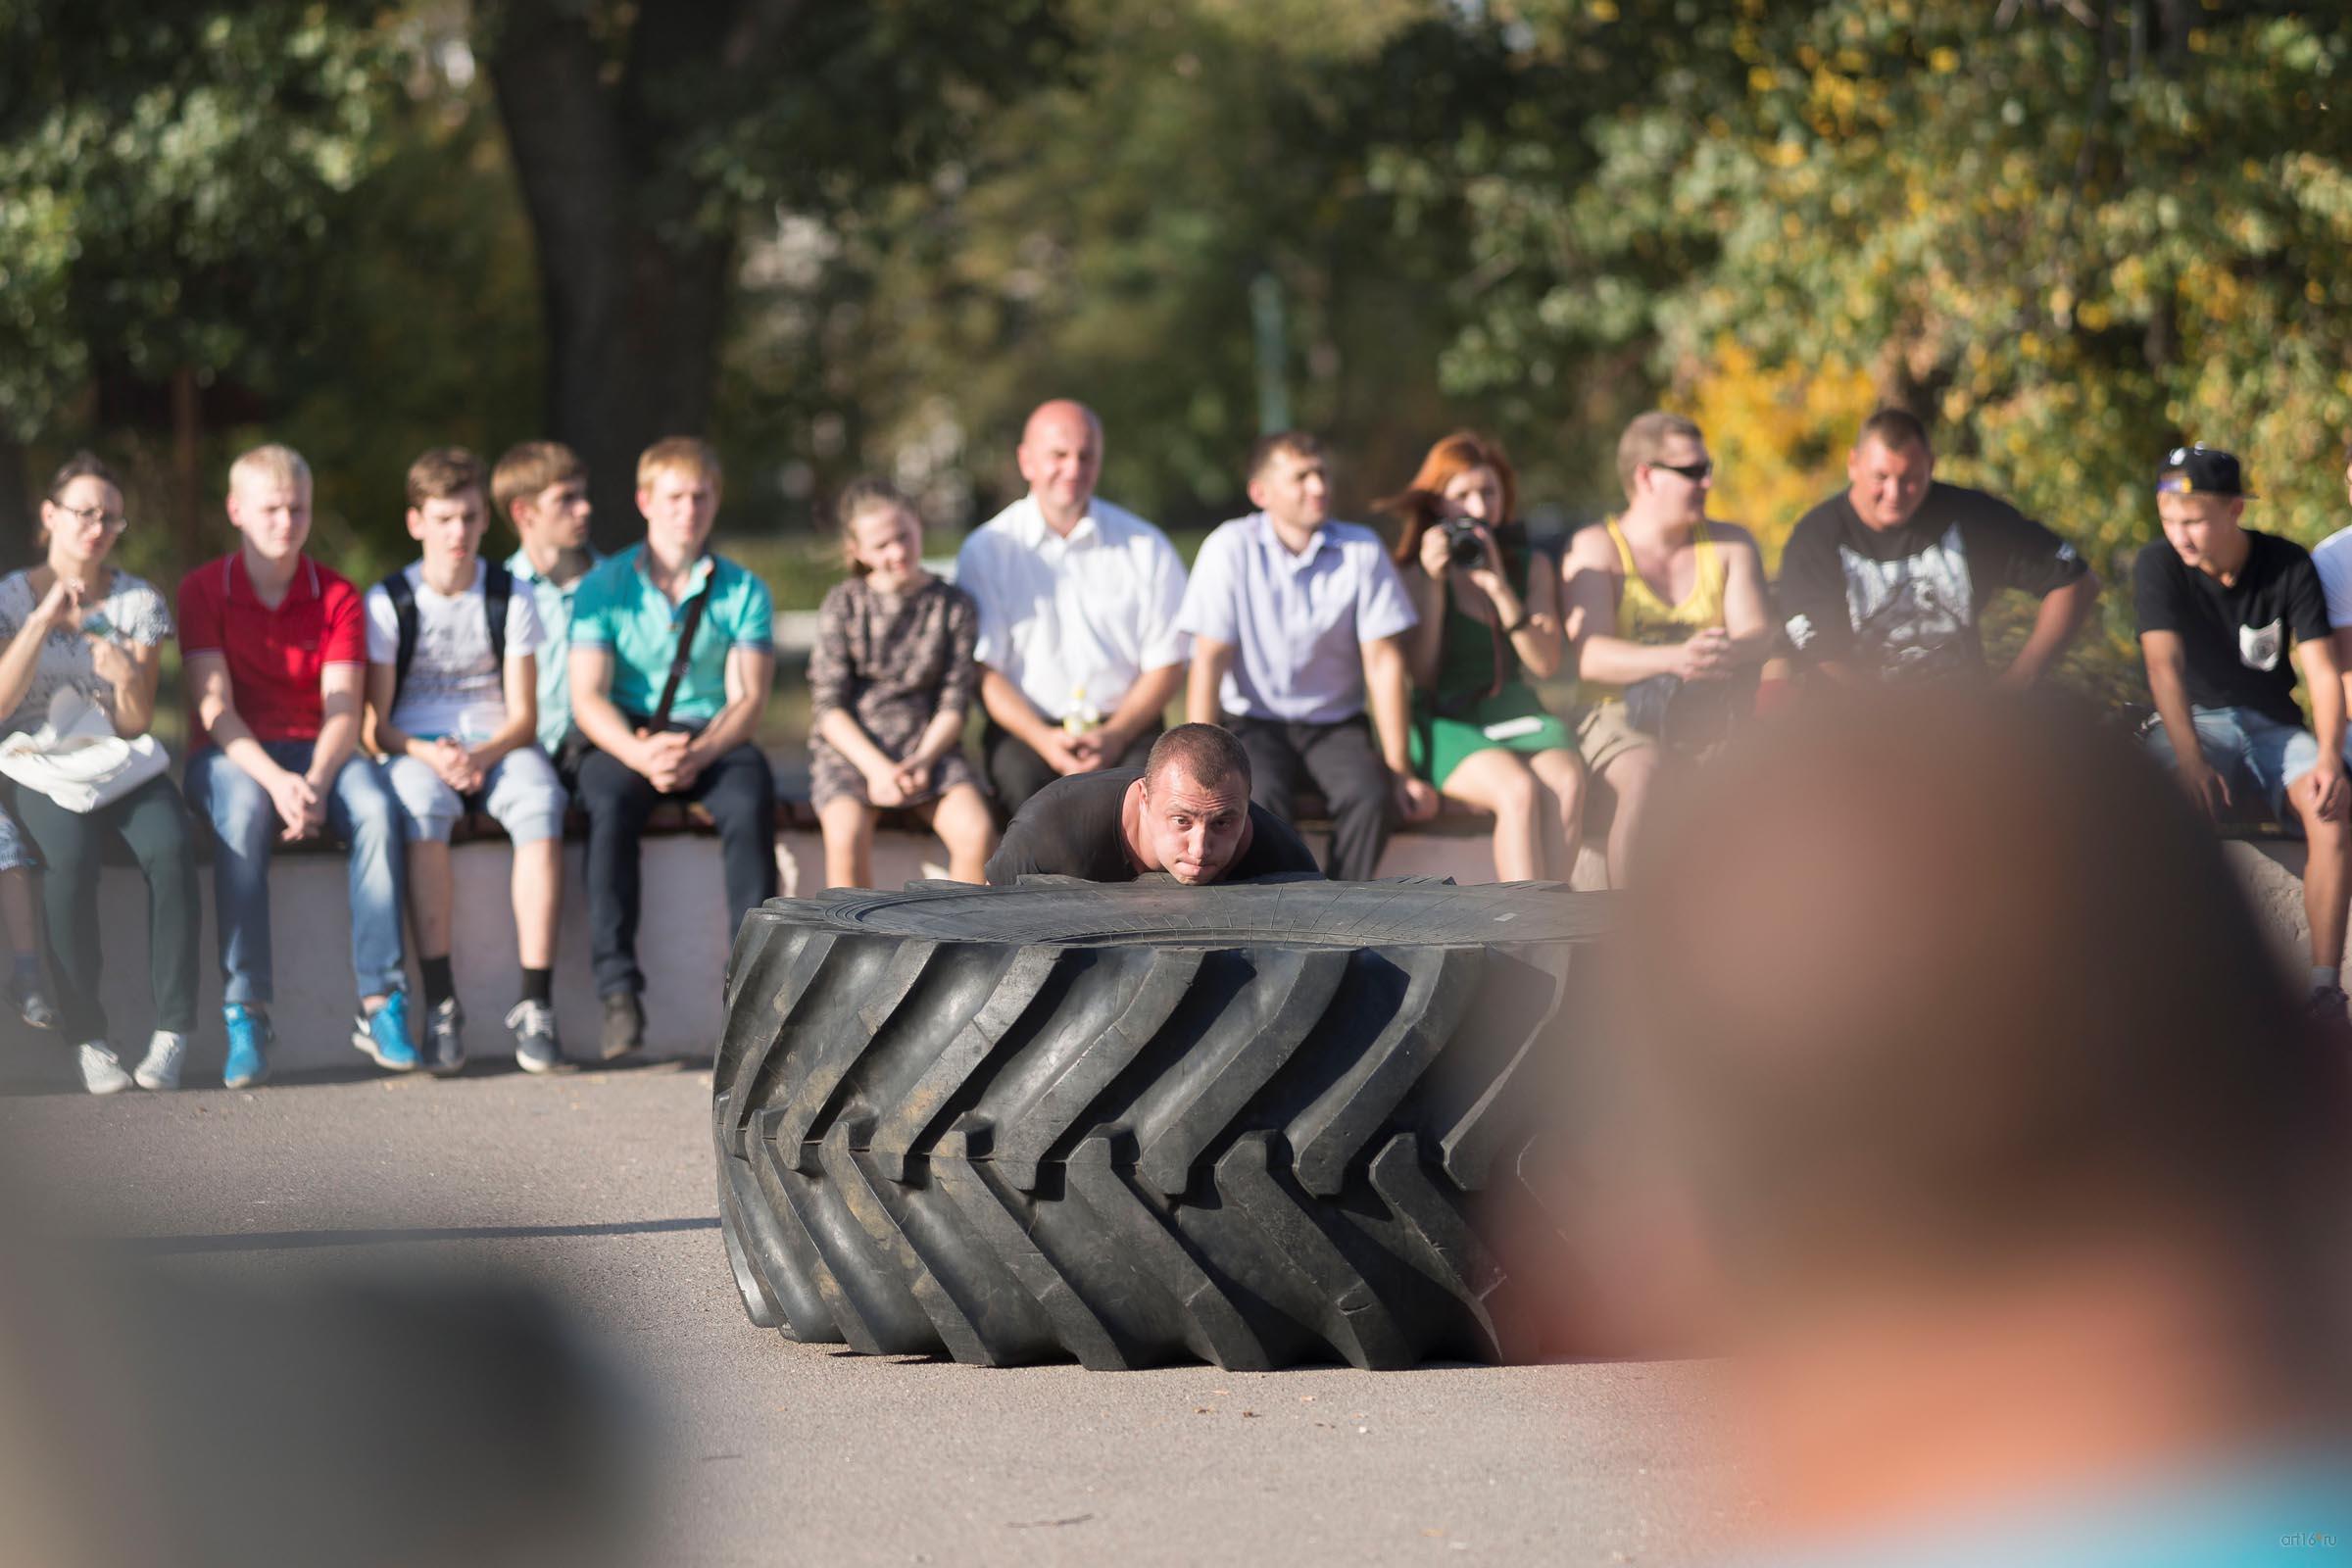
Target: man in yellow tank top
<point>1658,598</point>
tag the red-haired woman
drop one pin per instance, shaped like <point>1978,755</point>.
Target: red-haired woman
<point>1487,622</point>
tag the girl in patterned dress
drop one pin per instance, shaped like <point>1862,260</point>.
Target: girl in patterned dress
<point>889,682</point>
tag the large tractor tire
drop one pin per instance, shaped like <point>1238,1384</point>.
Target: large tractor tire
<point>1140,1124</point>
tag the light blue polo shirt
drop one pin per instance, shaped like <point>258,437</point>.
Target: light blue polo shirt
<point>555,606</point>
<point>618,607</point>
<point>1298,622</point>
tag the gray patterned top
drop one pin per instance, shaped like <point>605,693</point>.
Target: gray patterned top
<point>136,613</point>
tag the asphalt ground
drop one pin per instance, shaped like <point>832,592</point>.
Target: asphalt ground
<point>598,1186</point>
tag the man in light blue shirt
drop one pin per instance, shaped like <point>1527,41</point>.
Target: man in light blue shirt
<point>1297,625</point>
<point>541,487</point>
<point>672,650</point>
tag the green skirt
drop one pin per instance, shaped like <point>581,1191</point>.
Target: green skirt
<point>1438,745</point>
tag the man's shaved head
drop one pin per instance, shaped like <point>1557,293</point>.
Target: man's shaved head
<point>1060,456</point>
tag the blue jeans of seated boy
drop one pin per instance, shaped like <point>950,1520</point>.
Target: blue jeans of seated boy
<point>2245,745</point>
<point>360,811</point>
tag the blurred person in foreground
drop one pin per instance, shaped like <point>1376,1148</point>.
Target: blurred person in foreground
<point>2226,616</point>
<point>2014,1175</point>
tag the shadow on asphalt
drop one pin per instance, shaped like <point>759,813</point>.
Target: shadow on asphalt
<point>286,1241</point>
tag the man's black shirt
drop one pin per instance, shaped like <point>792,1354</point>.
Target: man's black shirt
<point>1071,828</point>
<point>2234,637</point>
<point>1904,602</point>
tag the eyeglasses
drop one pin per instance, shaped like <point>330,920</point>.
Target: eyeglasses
<point>97,515</point>
<point>1693,472</point>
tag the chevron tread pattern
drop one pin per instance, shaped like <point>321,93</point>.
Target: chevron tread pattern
<point>1008,1147</point>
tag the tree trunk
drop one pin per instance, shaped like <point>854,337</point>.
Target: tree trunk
<point>17,506</point>
<point>633,292</point>
<point>187,499</point>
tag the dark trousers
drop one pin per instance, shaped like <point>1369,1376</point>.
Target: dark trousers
<point>740,794</point>
<point>1016,771</point>
<point>153,820</point>
<point>1344,762</point>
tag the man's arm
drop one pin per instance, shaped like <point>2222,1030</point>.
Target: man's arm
<point>1812,601</point>
<point>1211,659</point>
<point>1014,714</point>
<point>2323,679</point>
<point>1388,693</point>
<point>2168,666</point>
<point>1145,705</point>
<point>2063,612</point>
<point>751,672</point>
<point>521,679</point>
<point>342,689</point>
<point>592,710</point>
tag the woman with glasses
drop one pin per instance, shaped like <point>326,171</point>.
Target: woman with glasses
<point>76,623</point>
<point>1480,734</point>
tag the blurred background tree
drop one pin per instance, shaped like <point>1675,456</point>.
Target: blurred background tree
<point>843,236</point>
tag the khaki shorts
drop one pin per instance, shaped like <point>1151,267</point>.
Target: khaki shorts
<point>1603,734</point>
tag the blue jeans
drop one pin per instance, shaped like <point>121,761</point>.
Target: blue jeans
<point>2245,746</point>
<point>360,811</point>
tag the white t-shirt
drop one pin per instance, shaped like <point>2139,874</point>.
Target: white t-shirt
<point>2334,557</point>
<point>1074,622</point>
<point>131,607</point>
<point>454,686</point>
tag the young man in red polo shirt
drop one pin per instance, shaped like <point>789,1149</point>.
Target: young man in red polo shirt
<point>275,648</point>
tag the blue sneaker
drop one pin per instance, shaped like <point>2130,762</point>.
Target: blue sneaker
<point>384,1034</point>
<point>249,1038</point>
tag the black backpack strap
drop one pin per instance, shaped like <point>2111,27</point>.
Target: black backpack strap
<point>404,611</point>
<point>498,586</point>
<point>690,620</point>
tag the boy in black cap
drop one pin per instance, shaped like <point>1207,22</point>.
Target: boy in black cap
<point>2226,616</point>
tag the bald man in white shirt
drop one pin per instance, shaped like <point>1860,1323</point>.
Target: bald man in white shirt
<point>1079,647</point>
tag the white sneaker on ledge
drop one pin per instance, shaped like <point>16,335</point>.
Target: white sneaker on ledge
<point>101,1069</point>
<point>159,1068</point>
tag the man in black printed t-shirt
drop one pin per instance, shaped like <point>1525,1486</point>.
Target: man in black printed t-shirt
<point>2226,616</point>
<point>1186,812</point>
<point>1889,580</point>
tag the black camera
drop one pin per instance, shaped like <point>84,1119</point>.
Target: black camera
<point>1463,545</point>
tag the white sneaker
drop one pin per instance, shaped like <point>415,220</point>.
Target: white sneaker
<point>160,1069</point>
<point>101,1069</point>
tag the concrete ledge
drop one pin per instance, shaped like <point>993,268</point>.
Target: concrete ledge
<point>683,942</point>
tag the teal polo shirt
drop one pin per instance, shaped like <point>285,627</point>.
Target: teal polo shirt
<point>618,609</point>
<point>554,604</point>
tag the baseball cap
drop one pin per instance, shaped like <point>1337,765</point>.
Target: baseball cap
<point>2201,471</point>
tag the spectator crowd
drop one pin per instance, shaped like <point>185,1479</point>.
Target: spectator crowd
<point>1386,676</point>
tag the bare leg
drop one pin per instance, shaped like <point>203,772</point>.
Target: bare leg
<point>17,913</point>
<point>1562,775</point>
<point>960,818</point>
<point>538,889</point>
<point>430,894</point>
<point>848,824</point>
<point>1630,774</point>
<point>2326,882</point>
<point>1499,781</point>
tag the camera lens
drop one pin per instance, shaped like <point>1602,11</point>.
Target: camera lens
<point>1461,542</point>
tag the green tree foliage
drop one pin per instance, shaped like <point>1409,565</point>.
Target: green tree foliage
<point>2070,234</point>
<point>1102,238</point>
<point>173,172</point>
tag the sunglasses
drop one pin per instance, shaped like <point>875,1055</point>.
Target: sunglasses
<point>1693,472</point>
